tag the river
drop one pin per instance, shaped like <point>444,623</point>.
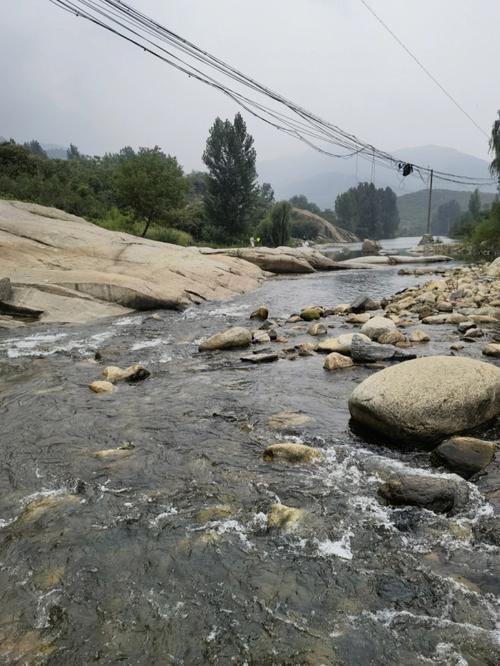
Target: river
<point>162,555</point>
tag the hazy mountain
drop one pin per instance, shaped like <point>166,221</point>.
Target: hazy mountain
<point>413,207</point>
<point>55,152</point>
<point>322,178</point>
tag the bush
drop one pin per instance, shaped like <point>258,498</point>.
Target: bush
<point>485,237</point>
<point>305,228</point>
<point>170,235</point>
<point>274,229</point>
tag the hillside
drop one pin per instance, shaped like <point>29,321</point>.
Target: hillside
<point>322,178</point>
<point>413,207</point>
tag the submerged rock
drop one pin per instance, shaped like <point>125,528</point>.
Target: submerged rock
<point>287,419</point>
<point>120,452</point>
<point>264,357</point>
<point>238,336</point>
<point>133,373</point>
<point>102,387</point>
<point>437,494</point>
<point>370,352</point>
<point>291,452</point>
<point>422,401</point>
<point>335,361</point>
<point>284,517</point>
<point>419,336</point>
<point>465,455</point>
<point>261,337</point>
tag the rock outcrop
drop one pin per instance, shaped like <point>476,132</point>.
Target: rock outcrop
<point>423,401</point>
<point>64,269</point>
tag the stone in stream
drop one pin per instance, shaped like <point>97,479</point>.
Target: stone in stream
<point>466,325</point>
<point>421,402</point>
<point>317,329</point>
<point>341,344</point>
<point>102,387</point>
<point>376,326</point>
<point>464,455</point>
<point>120,452</point>
<point>263,357</point>
<point>291,452</point>
<point>419,336</point>
<point>453,318</point>
<point>393,338</point>
<point>370,352</point>
<point>280,516</point>
<point>238,336</point>
<point>361,318</point>
<point>492,349</point>
<point>261,337</point>
<point>341,309</point>
<point>311,313</point>
<point>437,494</point>
<point>456,346</point>
<point>287,419</point>
<point>336,361</point>
<point>134,373</point>
<point>363,303</point>
<point>261,313</point>
<point>474,333</point>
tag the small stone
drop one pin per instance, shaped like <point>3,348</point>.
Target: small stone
<point>428,492</point>
<point>456,346</point>
<point>341,309</point>
<point>260,313</point>
<point>133,373</point>
<point>260,337</point>
<point>293,319</point>
<point>238,336</point>
<point>445,306</point>
<point>335,361</point>
<point>358,318</point>
<point>376,326</point>
<point>464,455</point>
<point>264,357</point>
<point>155,316</point>
<point>311,313</point>
<point>102,387</point>
<point>363,303</point>
<point>291,452</point>
<point>393,338</point>
<point>317,329</point>
<point>419,336</point>
<point>120,452</point>
<point>492,349</point>
<point>341,344</point>
<point>474,333</point>
<point>284,517</point>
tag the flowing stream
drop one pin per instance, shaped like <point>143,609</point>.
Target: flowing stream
<point>161,554</point>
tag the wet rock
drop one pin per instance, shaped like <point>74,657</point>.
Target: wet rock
<point>317,329</point>
<point>419,336</point>
<point>437,494</point>
<point>341,309</point>
<point>464,455</point>
<point>363,303</point>
<point>102,387</point>
<point>465,325</point>
<point>361,318</point>
<point>444,306</point>
<point>293,319</point>
<point>43,505</point>
<point>291,452</point>
<point>372,247</point>
<point>341,344</point>
<point>120,452</point>
<point>425,400</point>
<point>335,361</point>
<point>492,349</point>
<point>308,347</point>
<point>456,346</point>
<point>453,318</point>
<point>238,336</point>
<point>287,419</point>
<point>284,517</point>
<point>474,333</point>
<point>133,373</point>
<point>264,357</point>
<point>155,316</point>
<point>215,512</point>
<point>261,313</point>
<point>376,326</point>
<point>392,338</point>
<point>261,337</point>
<point>363,351</point>
<point>311,313</point>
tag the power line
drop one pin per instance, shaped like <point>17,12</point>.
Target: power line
<point>424,68</point>
<point>284,115</point>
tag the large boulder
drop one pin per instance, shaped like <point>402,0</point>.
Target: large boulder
<point>423,401</point>
<point>64,269</point>
<point>377,326</point>
<point>465,455</point>
<point>238,336</point>
<point>437,494</point>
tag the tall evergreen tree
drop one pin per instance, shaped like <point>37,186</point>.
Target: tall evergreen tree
<point>230,157</point>
<point>475,204</point>
<point>368,212</point>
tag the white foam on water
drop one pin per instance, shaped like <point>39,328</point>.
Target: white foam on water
<point>230,526</point>
<point>340,548</point>
<point>128,321</point>
<point>213,634</point>
<point>42,344</point>
<point>149,344</point>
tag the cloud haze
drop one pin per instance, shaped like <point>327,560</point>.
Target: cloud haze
<point>65,80</point>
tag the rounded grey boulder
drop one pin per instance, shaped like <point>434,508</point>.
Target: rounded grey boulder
<point>423,401</point>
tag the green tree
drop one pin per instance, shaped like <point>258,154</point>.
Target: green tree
<point>73,153</point>
<point>495,149</point>
<point>274,230</point>
<point>302,202</point>
<point>150,184</point>
<point>230,158</point>
<point>475,204</point>
<point>35,148</point>
<point>446,216</point>
<point>368,212</point>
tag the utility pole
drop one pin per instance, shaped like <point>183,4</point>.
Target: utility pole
<point>430,204</point>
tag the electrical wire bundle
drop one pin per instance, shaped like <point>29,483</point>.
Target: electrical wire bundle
<point>260,101</point>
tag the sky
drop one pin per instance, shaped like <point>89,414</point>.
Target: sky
<point>65,80</point>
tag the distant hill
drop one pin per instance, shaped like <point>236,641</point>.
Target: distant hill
<point>413,207</point>
<point>322,178</point>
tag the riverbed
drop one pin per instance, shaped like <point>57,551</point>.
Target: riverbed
<point>162,554</point>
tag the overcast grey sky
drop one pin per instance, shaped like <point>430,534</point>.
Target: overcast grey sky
<point>65,80</point>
